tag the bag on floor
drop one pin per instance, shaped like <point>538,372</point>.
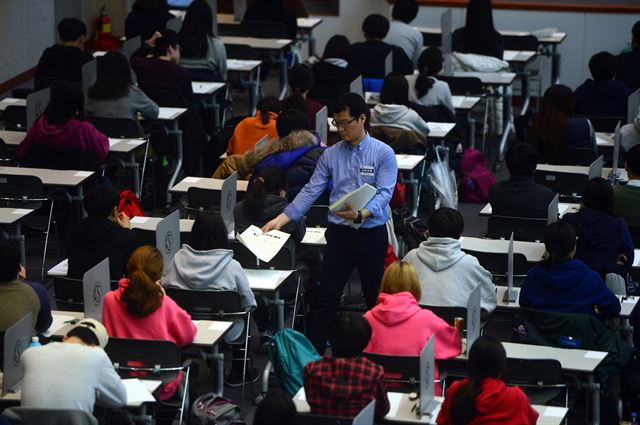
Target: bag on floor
<point>475,177</point>
<point>289,353</point>
<point>209,409</point>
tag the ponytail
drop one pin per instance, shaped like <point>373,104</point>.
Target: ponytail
<point>463,409</point>
<point>429,64</point>
<point>143,295</point>
<point>424,82</point>
<point>267,105</point>
<point>269,181</point>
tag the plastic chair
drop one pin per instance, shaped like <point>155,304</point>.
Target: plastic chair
<point>402,371</point>
<point>541,380</point>
<point>496,263</point>
<point>68,293</point>
<point>524,229</point>
<point>15,118</point>
<point>119,128</point>
<point>604,124</point>
<point>568,184</point>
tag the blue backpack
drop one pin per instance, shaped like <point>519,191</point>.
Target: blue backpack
<point>289,353</point>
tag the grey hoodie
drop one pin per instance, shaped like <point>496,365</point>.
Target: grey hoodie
<point>212,270</point>
<point>398,116</point>
<point>447,275</point>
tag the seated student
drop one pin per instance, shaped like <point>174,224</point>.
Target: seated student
<point>398,317</point>
<point>627,197</point>
<point>393,109</point>
<point>483,397</point>
<point>425,88</point>
<point>342,385</point>
<point>276,408</point>
<point>17,296</point>
<point>140,309</point>
<point>555,131</point>
<point>103,233</point>
<point>447,275</point>
<point>603,95</point>
<point>628,65</point>
<point>520,196</point>
<point>273,10</point>
<point>79,361</point>
<point>202,53</point>
<point>301,82</point>
<point>478,35</point>
<point>562,284</point>
<point>114,95</point>
<point>59,128</point>
<point>146,17</point>
<point>402,34</point>
<point>334,73</point>
<point>604,243</point>
<point>369,56</point>
<point>250,130</point>
<point>63,62</point>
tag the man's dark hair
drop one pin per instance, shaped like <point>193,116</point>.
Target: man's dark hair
<point>349,334</point>
<point>85,335</point>
<point>301,78</point>
<point>69,29</point>
<point>208,232</point>
<point>522,159</point>
<point>65,104</point>
<point>169,38</point>
<point>632,159</point>
<point>9,260</point>
<point>559,240</point>
<point>375,26</point>
<point>100,201</point>
<point>291,120</point>
<point>602,66</point>
<point>276,408</point>
<point>635,31</point>
<point>445,223</point>
<point>405,10</point>
<point>598,195</point>
<point>355,105</point>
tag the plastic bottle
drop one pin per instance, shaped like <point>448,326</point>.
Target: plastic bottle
<point>35,342</point>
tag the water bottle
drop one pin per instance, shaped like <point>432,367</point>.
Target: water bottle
<point>35,342</point>
<point>634,418</point>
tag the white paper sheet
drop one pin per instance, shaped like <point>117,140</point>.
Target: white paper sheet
<point>264,246</point>
<point>394,403</point>
<point>315,236</point>
<point>139,220</point>
<point>219,326</point>
<point>444,127</point>
<point>191,179</point>
<point>137,392</point>
<point>555,412</point>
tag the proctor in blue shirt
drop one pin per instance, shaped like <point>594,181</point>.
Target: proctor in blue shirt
<point>357,159</point>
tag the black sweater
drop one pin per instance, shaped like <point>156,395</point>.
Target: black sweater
<point>60,63</point>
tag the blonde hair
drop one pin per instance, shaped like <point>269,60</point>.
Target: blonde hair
<point>400,276</point>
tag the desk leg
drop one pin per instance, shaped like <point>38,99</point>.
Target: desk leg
<point>415,192</point>
<point>178,133</point>
<point>218,363</point>
<point>20,239</point>
<point>80,199</point>
<point>555,64</point>
<point>279,303</point>
<point>284,78</point>
<point>471,126</point>
<point>524,79</point>
<point>254,89</point>
<point>135,172</point>
<point>595,399</point>
<point>508,123</point>
<point>312,43</point>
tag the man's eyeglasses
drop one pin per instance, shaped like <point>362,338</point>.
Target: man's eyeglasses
<point>342,124</point>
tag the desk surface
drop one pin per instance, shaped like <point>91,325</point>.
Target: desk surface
<point>205,183</point>
<point>12,138</point>
<point>519,56</point>
<point>170,114</point>
<point>408,162</point>
<point>11,101</point>
<point>12,215</point>
<point>303,23</point>
<point>206,87</point>
<point>534,251</point>
<point>577,169</point>
<point>124,145</point>
<point>489,78</point>
<point>604,140</point>
<point>62,178</point>
<point>258,43</point>
<point>563,208</point>
<point>465,103</point>
<point>240,65</point>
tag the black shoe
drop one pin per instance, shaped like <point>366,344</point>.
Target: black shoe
<point>234,378</point>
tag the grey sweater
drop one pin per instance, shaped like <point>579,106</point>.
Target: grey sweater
<point>123,107</point>
<point>70,376</point>
<point>216,58</point>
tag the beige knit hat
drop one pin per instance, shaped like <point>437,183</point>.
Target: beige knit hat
<point>97,329</point>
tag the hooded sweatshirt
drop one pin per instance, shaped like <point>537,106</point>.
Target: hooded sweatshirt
<point>398,317</point>
<point>448,275</point>
<point>249,131</point>
<point>601,238</point>
<point>75,134</point>
<point>606,98</point>
<point>496,404</point>
<point>95,238</point>
<point>398,116</point>
<point>213,270</point>
<point>568,287</point>
<point>169,322</point>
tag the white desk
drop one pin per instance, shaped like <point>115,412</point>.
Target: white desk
<point>400,410</point>
<point>205,183</point>
<point>636,259</point>
<point>11,101</point>
<point>533,251</point>
<point>206,87</point>
<point>59,178</point>
<point>563,208</point>
<point>12,217</point>
<point>171,115</point>
<point>252,81</point>
<point>577,169</point>
<point>210,91</point>
<point>12,138</point>
<point>604,140</point>
<point>408,164</point>
<point>465,103</point>
<point>208,335</point>
<point>127,147</point>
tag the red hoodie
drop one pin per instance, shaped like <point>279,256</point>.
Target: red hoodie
<point>74,134</point>
<point>496,404</point>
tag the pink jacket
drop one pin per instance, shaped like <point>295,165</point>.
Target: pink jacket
<point>169,322</point>
<point>401,327</point>
<point>74,134</point>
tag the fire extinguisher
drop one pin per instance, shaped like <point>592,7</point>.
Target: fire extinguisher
<point>103,39</point>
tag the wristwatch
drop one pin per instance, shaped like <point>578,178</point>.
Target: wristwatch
<point>358,220</point>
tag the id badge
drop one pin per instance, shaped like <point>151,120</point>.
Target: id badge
<point>366,170</point>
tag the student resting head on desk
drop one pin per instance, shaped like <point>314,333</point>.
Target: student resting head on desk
<point>562,284</point>
<point>400,327</point>
<point>483,398</point>
<point>140,309</point>
<point>342,385</point>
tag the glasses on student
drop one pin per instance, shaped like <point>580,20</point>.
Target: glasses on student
<point>342,124</point>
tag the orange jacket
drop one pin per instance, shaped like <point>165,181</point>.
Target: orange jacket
<point>249,131</point>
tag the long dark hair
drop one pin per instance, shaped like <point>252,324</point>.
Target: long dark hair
<point>196,30</point>
<point>113,78</point>
<point>300,81</point>
<point>269,181</point>
<point>479,31</point>
<point>395,89</point>
<point>266,105</point>
<point>559,240</point>
<point>487,359</point>
<point>549,129</point>
<point>429,64</point>
<point>151,5</point>
<point>65,104</point>
<point>338,47</point>
<point>208,232</point>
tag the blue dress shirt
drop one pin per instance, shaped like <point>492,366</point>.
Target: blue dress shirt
<point>372,162</point>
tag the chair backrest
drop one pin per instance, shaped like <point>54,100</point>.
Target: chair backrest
<point>541,379</point>
<point>496,262</point>
<point>318,216</point>
<point>264,29</point>
<point>68,295</point>
<point>33,416</point>
<point>283,260</point>
<point>208,305</point>
<point>431,39</point>
<point>520,42</point>
<point>524,229</point>
<point>21,191</point>
<point>562,183</point>
<point>241,51</point>
<point>448,314</point>
<point>166,96</point>
<point>132,358</point>
<point>404,370</point>
<point>41,156</point>
<point>464,86</point>
<point>120,128</point>
<point>605,124</point>
<point>203,199</point>
<point>15,118</point>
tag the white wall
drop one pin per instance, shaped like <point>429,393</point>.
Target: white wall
<point>588,33</point>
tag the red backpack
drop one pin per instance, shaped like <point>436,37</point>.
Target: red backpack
<point>130,204</point>
<point>475,177</point>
